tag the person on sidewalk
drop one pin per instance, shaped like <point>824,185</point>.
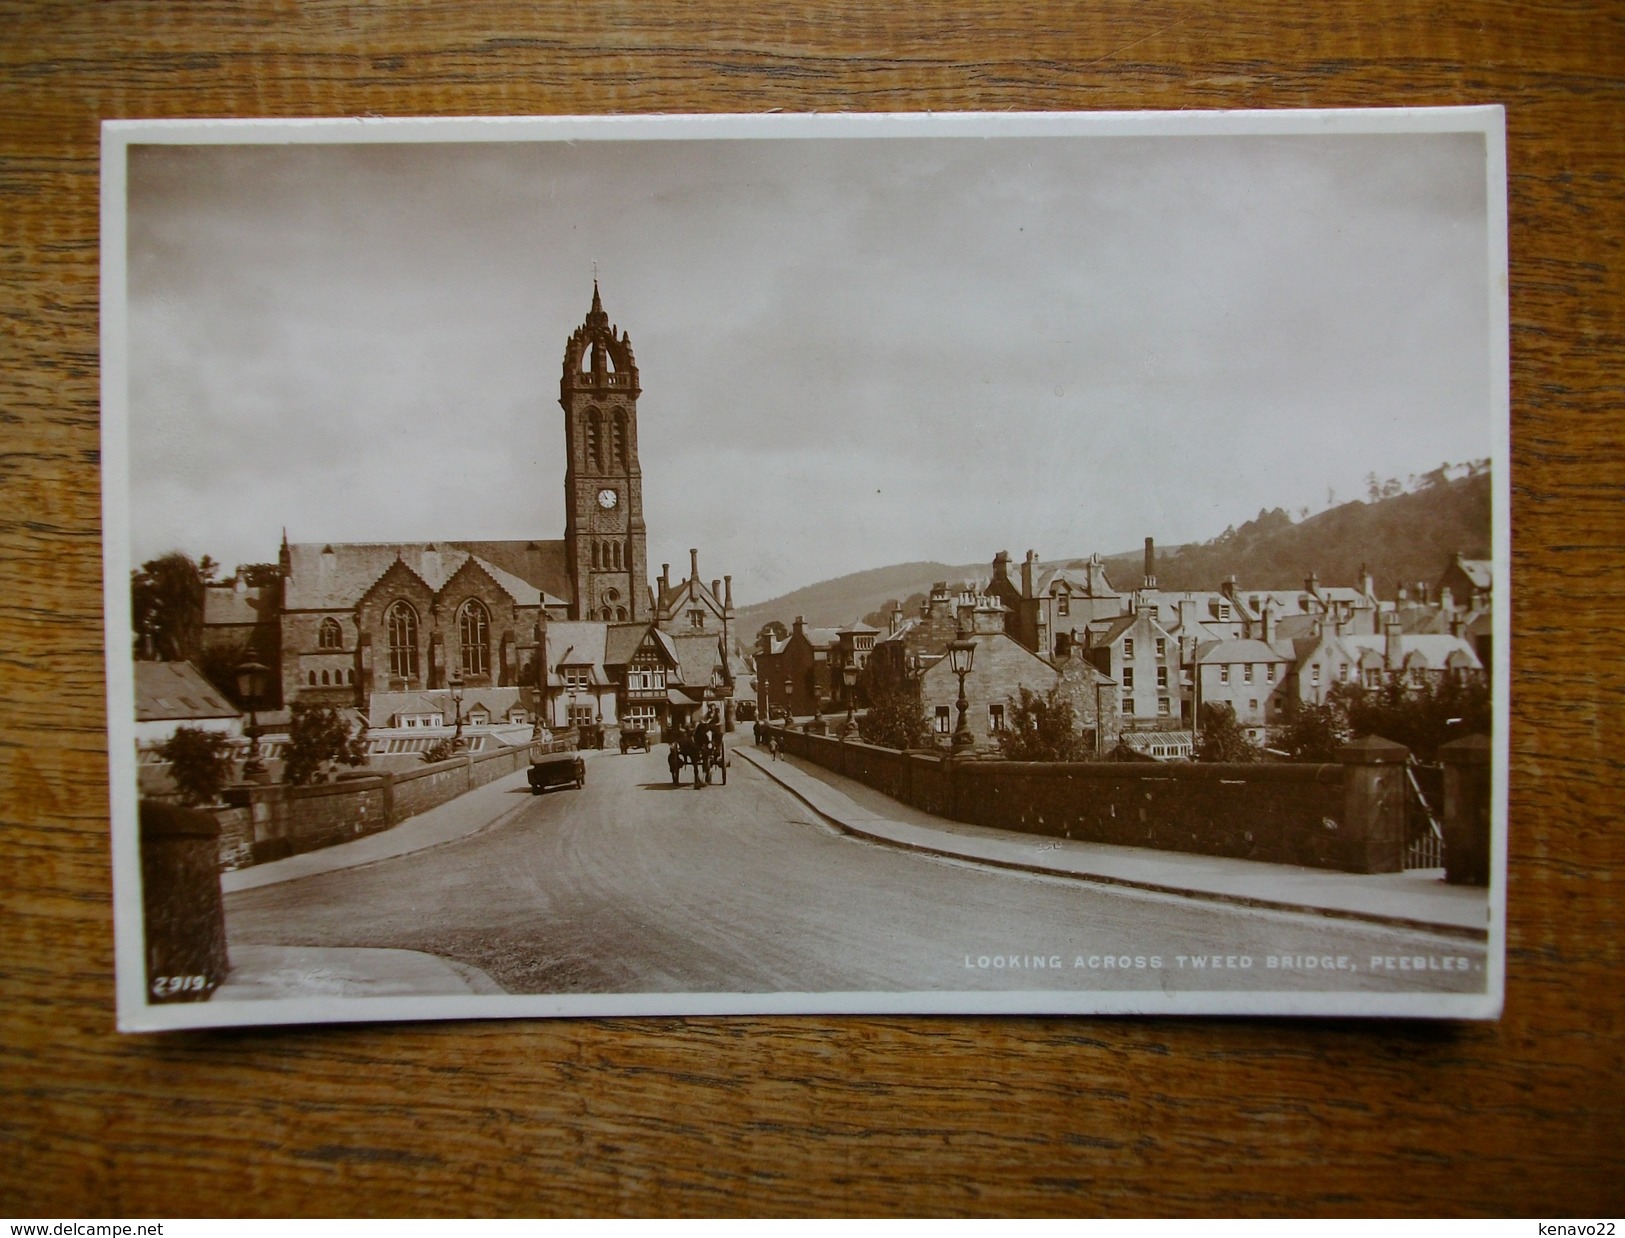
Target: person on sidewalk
<point>773,744</point>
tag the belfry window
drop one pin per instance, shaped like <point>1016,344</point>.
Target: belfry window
<point>618,440</point>
<point>330,635</point>
<point>473,632</point>
<point>401,622</point>
<point>595,441</point>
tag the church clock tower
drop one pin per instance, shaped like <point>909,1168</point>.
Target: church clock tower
<point>604,535</point>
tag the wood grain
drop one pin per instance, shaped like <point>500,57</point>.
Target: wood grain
<point>818,1115</point>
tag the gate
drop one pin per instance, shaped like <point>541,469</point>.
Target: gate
<point>1424,808</point>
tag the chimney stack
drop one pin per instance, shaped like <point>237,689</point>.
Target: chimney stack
<point>716,589</point>
<point>694,565</point>
<point>665,581</point>
<point>727,593</point>
<point>1150,564</point>
<point>1027,568</point>
<point>1393,650</point>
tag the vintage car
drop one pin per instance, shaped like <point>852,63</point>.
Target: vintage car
<point>557,769</point>
<point>634,737</point>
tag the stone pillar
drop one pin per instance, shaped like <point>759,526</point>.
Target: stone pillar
<point>1467,810</point>
<point>184,915</point>
<point>1374,793</point>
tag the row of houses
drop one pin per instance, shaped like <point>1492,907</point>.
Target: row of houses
<point>1138,665</point>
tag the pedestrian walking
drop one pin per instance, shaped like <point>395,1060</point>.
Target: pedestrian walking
<point>773,744</point>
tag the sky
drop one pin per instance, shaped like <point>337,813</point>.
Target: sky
<point>853,352</point>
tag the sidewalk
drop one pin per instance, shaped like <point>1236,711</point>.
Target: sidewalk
<point>1416,900</point>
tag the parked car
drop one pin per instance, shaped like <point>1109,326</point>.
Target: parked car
<point>634,738</point>
<point>557,769</point>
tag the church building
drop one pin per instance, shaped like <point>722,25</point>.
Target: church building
<point>548,632</point>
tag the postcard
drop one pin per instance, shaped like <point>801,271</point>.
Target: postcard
<point>952,564</point>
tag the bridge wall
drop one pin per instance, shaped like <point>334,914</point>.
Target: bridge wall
<point>1344,816</point>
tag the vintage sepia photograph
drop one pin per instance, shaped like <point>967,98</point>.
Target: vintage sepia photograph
<point>1020,563</point>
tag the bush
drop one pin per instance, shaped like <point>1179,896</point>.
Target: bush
<point>199,763</point>
<point>1043,728</point>
<point>440,750</point>
<point>1223,739</point>
<point>318,738</point>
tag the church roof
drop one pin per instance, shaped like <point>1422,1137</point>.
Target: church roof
<point>334,575</point>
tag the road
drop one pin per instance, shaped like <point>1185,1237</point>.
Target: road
<point>632,885</point>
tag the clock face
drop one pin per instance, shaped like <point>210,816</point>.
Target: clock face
<point>607,498</point>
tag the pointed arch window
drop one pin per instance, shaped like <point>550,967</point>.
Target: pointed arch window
<point>401,624</point>
<point>473,632</point>
<point>330,635</point>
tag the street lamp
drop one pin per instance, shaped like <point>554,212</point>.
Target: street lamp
<point>251,681</point>
<point>789,709</point>
<point>849,676</point>
<point>961,656</point>
<point>455,683</point>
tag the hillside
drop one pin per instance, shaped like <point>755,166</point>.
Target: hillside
<point>1405,538</point>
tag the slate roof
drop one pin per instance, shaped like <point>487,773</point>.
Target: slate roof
<point>495,701</point>
<point>575,644</point>
<point>224,604</point>
<point>1434,648</point>
<point>1480,571</point>
<point>697,655</point>
<point>175,691</point>
<point>1239,651</point>
<point>354,567</point>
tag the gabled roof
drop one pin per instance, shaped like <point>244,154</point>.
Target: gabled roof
<point>1480,571</point>
<point>335,575</point>
<point>698,654</point>
<point>576,643</point>
<point>176,691</point>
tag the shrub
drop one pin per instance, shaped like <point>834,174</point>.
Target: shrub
<point>1043,728</point>
<point>319,737</point>
<point>199,763</point>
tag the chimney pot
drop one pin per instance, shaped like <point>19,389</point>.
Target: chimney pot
<point>694,564</point>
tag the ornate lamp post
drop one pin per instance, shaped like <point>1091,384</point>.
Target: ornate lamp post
<point>849,677</point>
<point>251,680</point>
<point>455,683</point>
<point>961,656</point>
<point>789,710</point>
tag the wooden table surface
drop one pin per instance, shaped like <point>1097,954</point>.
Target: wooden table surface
<point>816,1115</point>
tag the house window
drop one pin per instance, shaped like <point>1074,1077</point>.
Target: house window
<point>1373,678</point>
<point>478,717</point>
<point>1128,676</point>
<point>1224,672</point>
<point>1224,610</point>
<point>1342,672</point>
<point>696,618</point>
<point>1128,705</point>
<point>581,715</point>
<point>1163,707</point>
<point>1063,605</point>
<point>1247,673</point>
<point>1162,677</point>
<point>942,719</point>
<point>1269,671</point>
<point>1162,647</point>
<point>575,677</point>
<point>329,635</point>
<point>473,630</point>
<point>1128,648</point>
<point>402,625</point>
<point>1253,705</point>
<point>995,717</point>
<point>1314,672</point>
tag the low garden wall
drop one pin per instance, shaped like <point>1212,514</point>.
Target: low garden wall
<point>272,821</point>
<point>1348,816</point>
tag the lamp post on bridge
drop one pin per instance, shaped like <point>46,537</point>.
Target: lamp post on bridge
<point>251,679</point>
<point>456,686</point>
<point>961,657</point>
